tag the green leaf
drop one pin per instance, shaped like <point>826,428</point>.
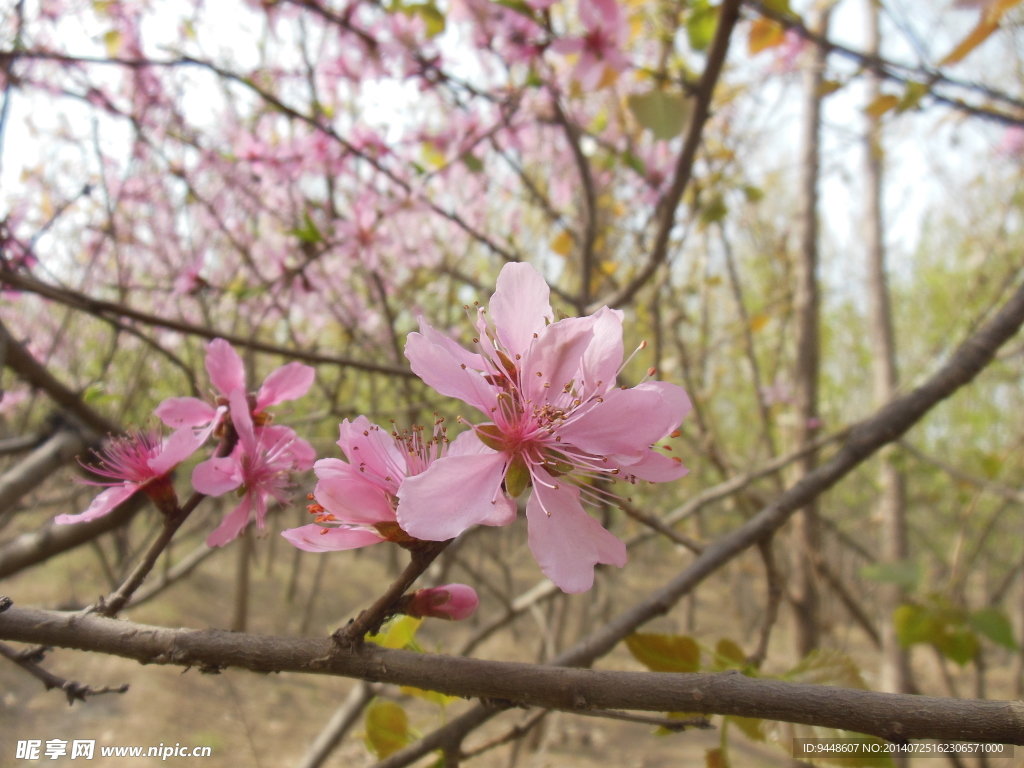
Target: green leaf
<point>387,728</point>
<point>441,699</point>
<point>663,114</point>
<point>994,624</point>
<point>912,96</point>
<point>827,667</point>
<point>663,731</point>
<point>904,573</point>
<point>728,655</point>
<point>714,211</point>
<point>959,645</point>
<point>634,162</point>
<point>665,653</point>
<point>518,6</point>
<point>753,194</point>
<point>700,25</point>
<point>400,633</point>
<point>913,625</point>
<point>472,162</point>
<point>308,232</point>
<point>752,727</point>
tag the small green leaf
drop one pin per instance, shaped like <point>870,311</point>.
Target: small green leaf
<point>472,162</point>
<point>517,477</point>
<point>752,727</point>
<point>753,194</point>
<point>440,699</point>
<point>663,114</point>
<point>994,624</point>
<point>960,645</point>
<point>663,731</point>
<point>634,162</point>
<point>728,655</point>
<point>700,25</point>
<point>308,232</point>
<point>387,728</point>
<point>399,633</point>
<point>904,573</point>
<point>714,211</point>
<point>827,667</point>
<point>665,653</point>
<point>913,624</point>
<point>912,96</point>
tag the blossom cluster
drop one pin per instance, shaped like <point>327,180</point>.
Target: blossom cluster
<point>554,420</point>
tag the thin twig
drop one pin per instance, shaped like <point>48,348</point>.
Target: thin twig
<point>74,691</point>
<point>352,635</point>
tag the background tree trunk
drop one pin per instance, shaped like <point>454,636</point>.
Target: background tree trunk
<point>895,668</point>
<point>806,528</point>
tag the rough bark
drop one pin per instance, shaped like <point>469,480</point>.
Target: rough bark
<point>891,716</point>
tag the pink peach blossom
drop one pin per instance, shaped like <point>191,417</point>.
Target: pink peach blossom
<point>133,462</point>
<point>558,421</point>
<point>227,374</point>
<point>260,465</point>
<point>356,499</point>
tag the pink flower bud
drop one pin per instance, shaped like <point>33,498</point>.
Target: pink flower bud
<point>452,602</point>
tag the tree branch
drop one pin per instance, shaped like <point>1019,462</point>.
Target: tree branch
<point>890,716</point>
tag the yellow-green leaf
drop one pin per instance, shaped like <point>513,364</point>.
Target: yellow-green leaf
<point>752,727</point>
<point>977,36</point>
<point>562,243</point>
<point>665,653</point>
<point>715,758</point>
<point>994,624</point>
<point>663,114</point>
<point>827,667</point>
<point>387,728</point>
<point>728,655</point>
<point>441,699</point>
<point>758,322</point>
<point>829,86</point>
<point>700,24</point>
<point>912,96</point>
<point>399,633</point>
<point>765,34</point>
<point>880,105</point>
<point>112,41</point>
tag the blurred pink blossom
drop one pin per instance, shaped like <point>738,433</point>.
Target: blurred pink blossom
<point>1012,143</point>
<point>599,48</point>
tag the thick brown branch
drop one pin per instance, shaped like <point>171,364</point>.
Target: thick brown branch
<point>892,716</point>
